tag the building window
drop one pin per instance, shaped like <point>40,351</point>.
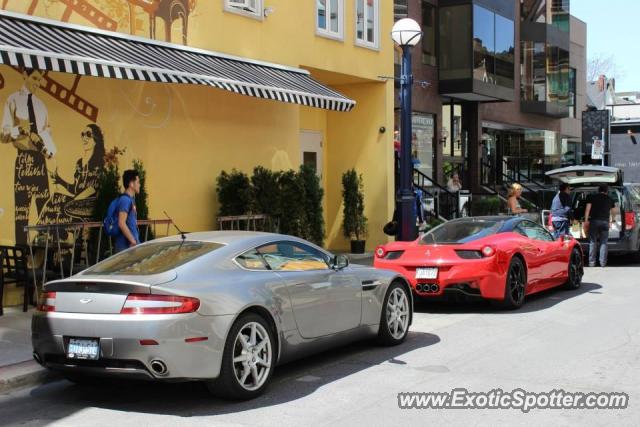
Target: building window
<point>560,12</point>
<point>557,75</point>
<point>251,8</point>
<point>330,18</point>
<point>493,48</point>
<point>546,75</point>
<point>400,9</point>
<point>535,11</point>
<point>552,12</point>
<point>455,32</point>
<point>533,82</point>
<point>367,23</point>
<point>572,93</point>
<point>484,47</point>
<point>429,36</point>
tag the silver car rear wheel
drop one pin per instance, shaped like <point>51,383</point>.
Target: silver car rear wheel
<point>252,356</point>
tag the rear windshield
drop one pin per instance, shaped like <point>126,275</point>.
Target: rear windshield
<point>153,258</point>
<point>461,231</point>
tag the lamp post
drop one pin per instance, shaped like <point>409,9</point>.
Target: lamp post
<point>406,33</point>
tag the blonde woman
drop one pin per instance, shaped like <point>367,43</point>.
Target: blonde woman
<point>513,202</point>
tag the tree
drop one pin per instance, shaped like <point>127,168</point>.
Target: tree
<point>603,65</point>
<point>354,225</point>
<point>313,204</point>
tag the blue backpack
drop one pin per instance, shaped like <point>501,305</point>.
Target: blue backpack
<point>110,222</point>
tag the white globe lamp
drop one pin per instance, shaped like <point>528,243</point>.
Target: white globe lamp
<point>406,32</point>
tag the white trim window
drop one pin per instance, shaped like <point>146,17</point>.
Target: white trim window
<point>368,23</point>
<point>330,18</point>
<point>251,8</point>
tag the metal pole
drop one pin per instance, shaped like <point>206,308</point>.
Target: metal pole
<point>604,148</point>
<point>405,200</point>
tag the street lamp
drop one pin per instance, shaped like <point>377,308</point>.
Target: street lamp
<point>406,33</point>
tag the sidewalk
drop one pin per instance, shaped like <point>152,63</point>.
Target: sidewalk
<point>17,367</point>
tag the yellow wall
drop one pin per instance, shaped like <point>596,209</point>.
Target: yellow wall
<point>186,135</point>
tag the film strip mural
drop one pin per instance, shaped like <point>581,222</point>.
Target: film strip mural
<point>88,12</point>
<point>170,11</point>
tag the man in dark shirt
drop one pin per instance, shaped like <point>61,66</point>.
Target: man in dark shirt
<point>597,218</point>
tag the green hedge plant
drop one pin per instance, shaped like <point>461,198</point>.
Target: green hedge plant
<point>354,223</point>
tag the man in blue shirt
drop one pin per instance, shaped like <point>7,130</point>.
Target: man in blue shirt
<point>561,211</point>
<point>127,213</point>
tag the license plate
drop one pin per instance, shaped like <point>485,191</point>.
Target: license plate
<point>83,348</point>
<point>426,273</point>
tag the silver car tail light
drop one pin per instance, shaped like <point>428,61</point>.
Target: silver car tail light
<point>159,304</point>
<point>47,301</point>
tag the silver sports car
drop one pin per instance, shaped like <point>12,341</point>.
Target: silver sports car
<point>219,307</point>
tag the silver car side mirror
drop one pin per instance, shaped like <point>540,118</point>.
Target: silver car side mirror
<point>340,262</point>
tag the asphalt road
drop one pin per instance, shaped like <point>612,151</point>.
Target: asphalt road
<point>580,341</point>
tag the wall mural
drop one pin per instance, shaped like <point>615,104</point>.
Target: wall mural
<point>43,194</point>
<point>40,189</point>
<point>117,15</point>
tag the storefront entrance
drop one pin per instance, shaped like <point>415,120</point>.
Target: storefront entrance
<point>519,155</point>
<point>454,142</point>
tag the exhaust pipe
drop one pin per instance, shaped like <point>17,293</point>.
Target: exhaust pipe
<point>37,358</point>
<point>159,367</point>
<point>419,287</point>
<point>435,288</point>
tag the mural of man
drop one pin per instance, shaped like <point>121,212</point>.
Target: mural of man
<point>25,125</point>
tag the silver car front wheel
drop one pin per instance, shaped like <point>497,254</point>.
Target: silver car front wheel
<point>396,315</point>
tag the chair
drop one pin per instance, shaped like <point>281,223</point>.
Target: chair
<point>15,270</point>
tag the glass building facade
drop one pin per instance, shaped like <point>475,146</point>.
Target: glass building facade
<point>545,80</point>
<point>477,51</point>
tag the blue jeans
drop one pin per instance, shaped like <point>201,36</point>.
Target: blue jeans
<point>561,228</point>
<point>598,236</point>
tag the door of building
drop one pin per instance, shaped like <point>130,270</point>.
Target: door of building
<point>311,150</point>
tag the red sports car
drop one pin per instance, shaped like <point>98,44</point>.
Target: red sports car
<point>499,258</point>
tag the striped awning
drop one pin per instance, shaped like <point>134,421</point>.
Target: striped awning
<point>44,44</point>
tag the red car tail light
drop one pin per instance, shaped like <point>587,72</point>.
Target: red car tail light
<point>380,252</point>
<point>629,220</point>
<point>488,251</point>
<point>159,304</point>
<point>47,302</point>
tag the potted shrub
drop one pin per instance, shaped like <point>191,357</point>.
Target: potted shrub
<point>354,223</point>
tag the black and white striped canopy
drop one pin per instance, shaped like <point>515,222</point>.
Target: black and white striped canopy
<point>31,42</point>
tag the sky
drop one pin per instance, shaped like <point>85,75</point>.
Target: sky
<point>612,29</point>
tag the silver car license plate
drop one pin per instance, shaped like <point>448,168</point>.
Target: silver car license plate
<point>83,348</point>
<point>427,273</point>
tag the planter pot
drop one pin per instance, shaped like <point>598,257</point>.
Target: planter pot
<point>357,246</point>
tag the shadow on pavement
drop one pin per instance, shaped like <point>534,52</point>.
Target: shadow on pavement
<point>536,302</point>
<point>290,382</point>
